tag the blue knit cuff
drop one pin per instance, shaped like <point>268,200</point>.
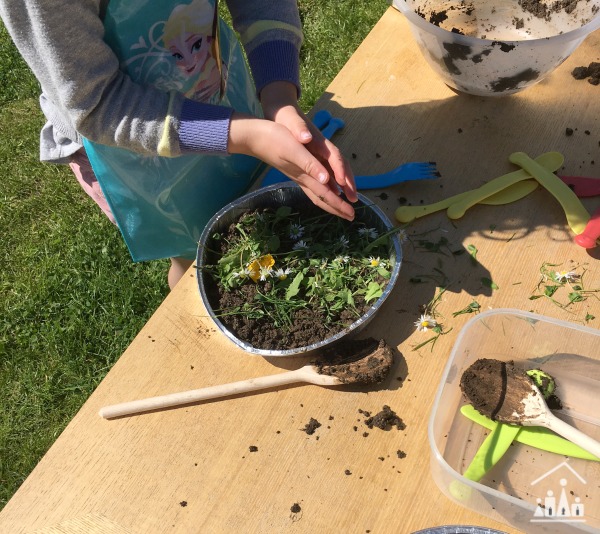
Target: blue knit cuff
<point>204,127</point>
<point>275,61</point>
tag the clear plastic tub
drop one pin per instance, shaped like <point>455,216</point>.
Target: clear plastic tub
<point>519,488</point>
<point>498,48</point>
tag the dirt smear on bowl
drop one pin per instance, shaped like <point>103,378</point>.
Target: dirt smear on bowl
<point>542,10</point>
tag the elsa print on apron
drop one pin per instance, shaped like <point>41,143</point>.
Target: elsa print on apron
<point>162,204</point>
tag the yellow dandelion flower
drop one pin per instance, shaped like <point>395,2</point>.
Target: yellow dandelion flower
<point>258,267</point>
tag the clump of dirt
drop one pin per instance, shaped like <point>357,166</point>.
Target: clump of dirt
<point>295,508</point>
<point>311,426</point>
<point>385,419</point>
<point>253,448</point>
<point>591,72</point>
<point>365,361</point>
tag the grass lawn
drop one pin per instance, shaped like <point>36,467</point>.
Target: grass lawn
<point>71,299</point>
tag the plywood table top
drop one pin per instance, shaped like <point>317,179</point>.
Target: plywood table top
<point>191,469</point>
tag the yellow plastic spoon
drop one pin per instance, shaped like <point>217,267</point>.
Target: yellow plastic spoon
<point>551,161</point>
<point>405,214</point>
<point>577,215</point>
<point>496,192</point>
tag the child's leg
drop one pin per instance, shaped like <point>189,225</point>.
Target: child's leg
<point>80,165</point>
<point>82,169</point>
<point>178,268</point>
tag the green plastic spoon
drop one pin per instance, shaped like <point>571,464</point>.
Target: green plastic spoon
<point>491,450</point>
<point>533,436</point>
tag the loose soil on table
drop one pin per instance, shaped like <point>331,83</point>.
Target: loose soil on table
<point>311,426</point>
<point>591,72</point>
<point>385,419</point>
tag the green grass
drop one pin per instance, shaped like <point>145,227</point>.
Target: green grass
<point>71,299</point>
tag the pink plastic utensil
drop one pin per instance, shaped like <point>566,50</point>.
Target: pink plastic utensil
<point>589,237</point>
<point>582,186</point>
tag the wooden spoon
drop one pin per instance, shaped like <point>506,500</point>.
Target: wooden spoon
<point>504,393</point>
<point>371,364</point>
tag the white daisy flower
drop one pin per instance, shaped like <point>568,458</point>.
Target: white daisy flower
<point>244,273</point>
<point>566,276</point>
<point>371,233</point>
<point>264,273</point>
<point>376,262</point>
<point>300,245</point>
<point>342,259</point>
<point>425,322</point>
<point>296,231</point>
<point>282,274</point>
<point>344,241</point>
<point>402,235</point>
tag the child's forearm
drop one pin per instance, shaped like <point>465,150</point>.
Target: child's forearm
<point>271,34</point>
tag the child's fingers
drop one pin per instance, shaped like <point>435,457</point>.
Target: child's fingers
<point>326,199</point>
<point>342,173</point>
<point>338,167</point>
<point>297,125</point>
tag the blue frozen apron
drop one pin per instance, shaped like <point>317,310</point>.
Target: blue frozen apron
<point>162,204</point>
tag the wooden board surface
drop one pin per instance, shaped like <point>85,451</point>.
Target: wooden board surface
<point>191,470</point>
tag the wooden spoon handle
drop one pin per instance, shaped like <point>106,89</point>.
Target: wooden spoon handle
<point>572,434</point>
<point>304,374</point>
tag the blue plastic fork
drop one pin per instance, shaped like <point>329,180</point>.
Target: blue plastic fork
<point>403,173</point>
<point>406,172</point>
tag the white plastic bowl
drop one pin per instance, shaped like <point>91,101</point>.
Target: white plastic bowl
<point>496,48</point>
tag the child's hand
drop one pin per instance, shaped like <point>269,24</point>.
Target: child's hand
<point>279,105</point>
<point>276,145</point>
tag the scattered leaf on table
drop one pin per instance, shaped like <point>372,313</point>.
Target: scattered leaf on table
<point>487,282</point>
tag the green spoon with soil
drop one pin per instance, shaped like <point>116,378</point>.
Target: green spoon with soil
<point>505,393</point>
<point>365,361</point>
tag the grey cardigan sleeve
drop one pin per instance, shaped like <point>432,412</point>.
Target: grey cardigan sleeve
<point>62,42</point>
<point>86,94</point>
